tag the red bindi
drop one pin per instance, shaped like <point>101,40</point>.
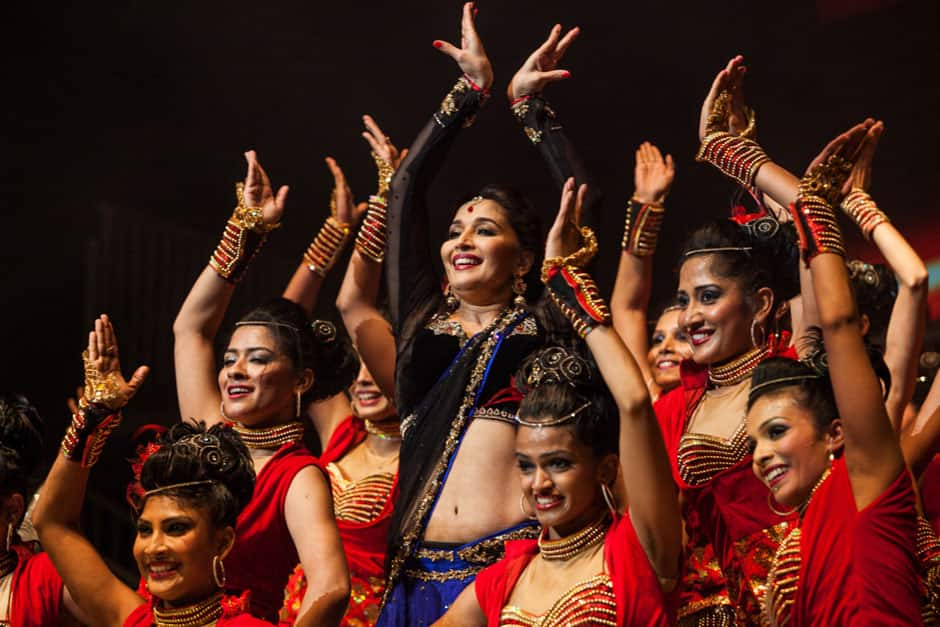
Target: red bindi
<point>470,209</point>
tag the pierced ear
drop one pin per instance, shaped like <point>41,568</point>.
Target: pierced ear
<point>305,382</point>
<point>763,304</point>
<point>608,470</point>
<point>835,437</point>
<point>226,541</point>
<point>526,259</point>
<point>865,322</point>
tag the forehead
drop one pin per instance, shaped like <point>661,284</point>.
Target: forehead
<point>476,209</point>
<point>252,335</point>
<point>700,270</point>
<point>668,320</point>
<point>160,507</point>
<point>533,441</point>
<point>778,404</point>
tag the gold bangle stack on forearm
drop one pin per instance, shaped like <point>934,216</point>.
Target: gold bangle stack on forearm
<point>641,227</point>
<point>372,236</point>
<point>813,214</point>
<point>87,433</point>
<point>573,290</point>
<point>736,156</point>
<point>243,236</point>
<point>326,246</point>
<point>861,207</point>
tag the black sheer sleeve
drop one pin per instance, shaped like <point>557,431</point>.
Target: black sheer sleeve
<point>541,126</point>
<point>409,265</point>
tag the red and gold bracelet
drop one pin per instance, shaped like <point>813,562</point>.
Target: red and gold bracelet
<point>244,234</point>
<point>326,246</point>
<point>735,156</point>
<point>573,290</point>
<point>813,214</point>
<point>641,227</point>
<point>863,210</point>
<point>372,236</point>
<point>88,432</point>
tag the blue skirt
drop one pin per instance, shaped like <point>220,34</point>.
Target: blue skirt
<point>434,577</point>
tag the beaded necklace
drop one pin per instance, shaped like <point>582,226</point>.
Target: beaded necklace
<point>205,612</point>
<point>739,369</point>
<point>569,546</point>
<point>385,430</point>
<point>271,437</point>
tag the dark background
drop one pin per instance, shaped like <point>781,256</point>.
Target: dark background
<point>125,125</point>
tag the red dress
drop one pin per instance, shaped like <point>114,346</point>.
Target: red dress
<point>930,493</point>
<point>234,614</point>
<point>731,531</point>
<point>842,566</point>
<point>264,555</point>
<point>36,595</point>
<point>639,597</point>
<point>363,514</point>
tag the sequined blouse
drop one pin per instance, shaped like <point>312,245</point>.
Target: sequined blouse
<point>362,500</point>
<point>590,602</point>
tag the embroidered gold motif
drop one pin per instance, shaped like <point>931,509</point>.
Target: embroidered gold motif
<point>702,456</point>
<point>359,501</point>
<point>590,602</point>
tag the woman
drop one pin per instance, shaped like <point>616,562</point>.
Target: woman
<point>825,448</point>
<point>274,362</point>
<point>456,354</point>
<point>31,591</point>
<point>658,356</point>
<point>195,485</point>
<point>589,565</point>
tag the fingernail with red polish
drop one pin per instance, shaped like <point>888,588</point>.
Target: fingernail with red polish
<point>566,74</point>
<point>437,44</point>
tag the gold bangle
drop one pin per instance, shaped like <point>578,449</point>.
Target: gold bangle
<point>326,246</point>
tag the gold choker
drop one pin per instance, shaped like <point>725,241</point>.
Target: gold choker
<point>271,437</point>
<point>196,615</point>
<point>569,546</point>
<point>8,563</point>
<point>739,369</point>
<point>386,430</point>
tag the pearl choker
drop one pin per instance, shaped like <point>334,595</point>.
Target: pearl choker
<point>205,612</point>
<point>565,548</point>
<point>271,437</point>
<point>739,369</point>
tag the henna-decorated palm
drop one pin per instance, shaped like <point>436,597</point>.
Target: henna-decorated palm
<point>470,56</point>
<point>827,173</point>
<point>730,80</point>
<point>258,191</point>
<point>652,175</point>
<point>381,143</point>
<point>104,383</point>
<point>564,237</point>
<point>343,206</point>
<point>860,177</point>
<point>541,67</point>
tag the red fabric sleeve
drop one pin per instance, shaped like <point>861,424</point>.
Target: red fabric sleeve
<point>494,584</point>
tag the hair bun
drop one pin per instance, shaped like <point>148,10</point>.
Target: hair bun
<point>557,365</point>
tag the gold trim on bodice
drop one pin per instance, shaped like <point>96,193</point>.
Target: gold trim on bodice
<point>702,456</point>
<point>591,602</point>
<point>360,501</point>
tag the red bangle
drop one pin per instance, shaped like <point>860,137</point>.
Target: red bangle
<point>474,86</point>
<point>515,101</point>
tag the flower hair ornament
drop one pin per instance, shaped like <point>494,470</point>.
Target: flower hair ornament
<point>324,331</point>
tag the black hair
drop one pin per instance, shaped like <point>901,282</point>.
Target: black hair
<point>320,345</point>
<point>808,379</point>
<point>190,453</point>
<point>576,384</point>
<point>875,289</point>
<point>21,445</point>
<point>772,259</point>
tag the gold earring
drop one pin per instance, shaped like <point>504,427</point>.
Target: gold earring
<point>9,537</point>
<point>753,336</point>
<point>297,393</point>
<point>450,301</point>
<point>610,500</point>
<point>218,571</point>
<point>522,507</point>
<point>518,288</point>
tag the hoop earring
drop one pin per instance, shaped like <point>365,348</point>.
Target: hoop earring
<point>9,544</point>
<point>450,301</point>
<point>610,500</point>
<point>222,411</point>
<point>522,507</point>
<point>762,333</point>
<point>770,504</point>
<point>298,403</point>
<point>217,567</point>
<point>518,288</point>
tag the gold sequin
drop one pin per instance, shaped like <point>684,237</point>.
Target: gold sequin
<point>590,602</point>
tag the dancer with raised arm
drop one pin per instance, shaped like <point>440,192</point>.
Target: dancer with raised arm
<point>590,565</point>
<point>275,362</point>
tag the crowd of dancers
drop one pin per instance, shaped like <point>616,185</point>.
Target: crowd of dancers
<point>503,447</point>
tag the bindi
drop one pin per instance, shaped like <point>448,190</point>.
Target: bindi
<point>470,209</point>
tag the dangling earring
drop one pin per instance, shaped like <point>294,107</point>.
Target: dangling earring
<point>450,301</point>
<point>218,571</point>
<point>832,457</point>
<point>297,393</point>
<point>222,411</point>
<point>522,507</point>
<point>763,334</point>
<point>610,500</point>
<point>9,538</point>
<point>518,288</point>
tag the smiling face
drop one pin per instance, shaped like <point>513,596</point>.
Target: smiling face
<point>257,381</point>
<point>175,547</point>
<point>561,477</point>
<point>668,346</point>
<point>790,452</point>
<point>716,314</point>
<point>368,402</point>
<point>482,254</point>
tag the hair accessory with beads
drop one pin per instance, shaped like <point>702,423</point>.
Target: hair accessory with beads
<point>324,331</point>
<point>556,365</point>
<point>864,272</point>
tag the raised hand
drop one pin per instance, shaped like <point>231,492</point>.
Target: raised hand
<point>729,79</point>
<point>564,237</point>
<point>470,56</point>
<point>258,191</point>
<point>381,143</point>
<point>541,68</point>
<point>104,382</point>
<point>847,145</point>
<point>343,206</point>
<point>860,177</point>
<point>652,175</point>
